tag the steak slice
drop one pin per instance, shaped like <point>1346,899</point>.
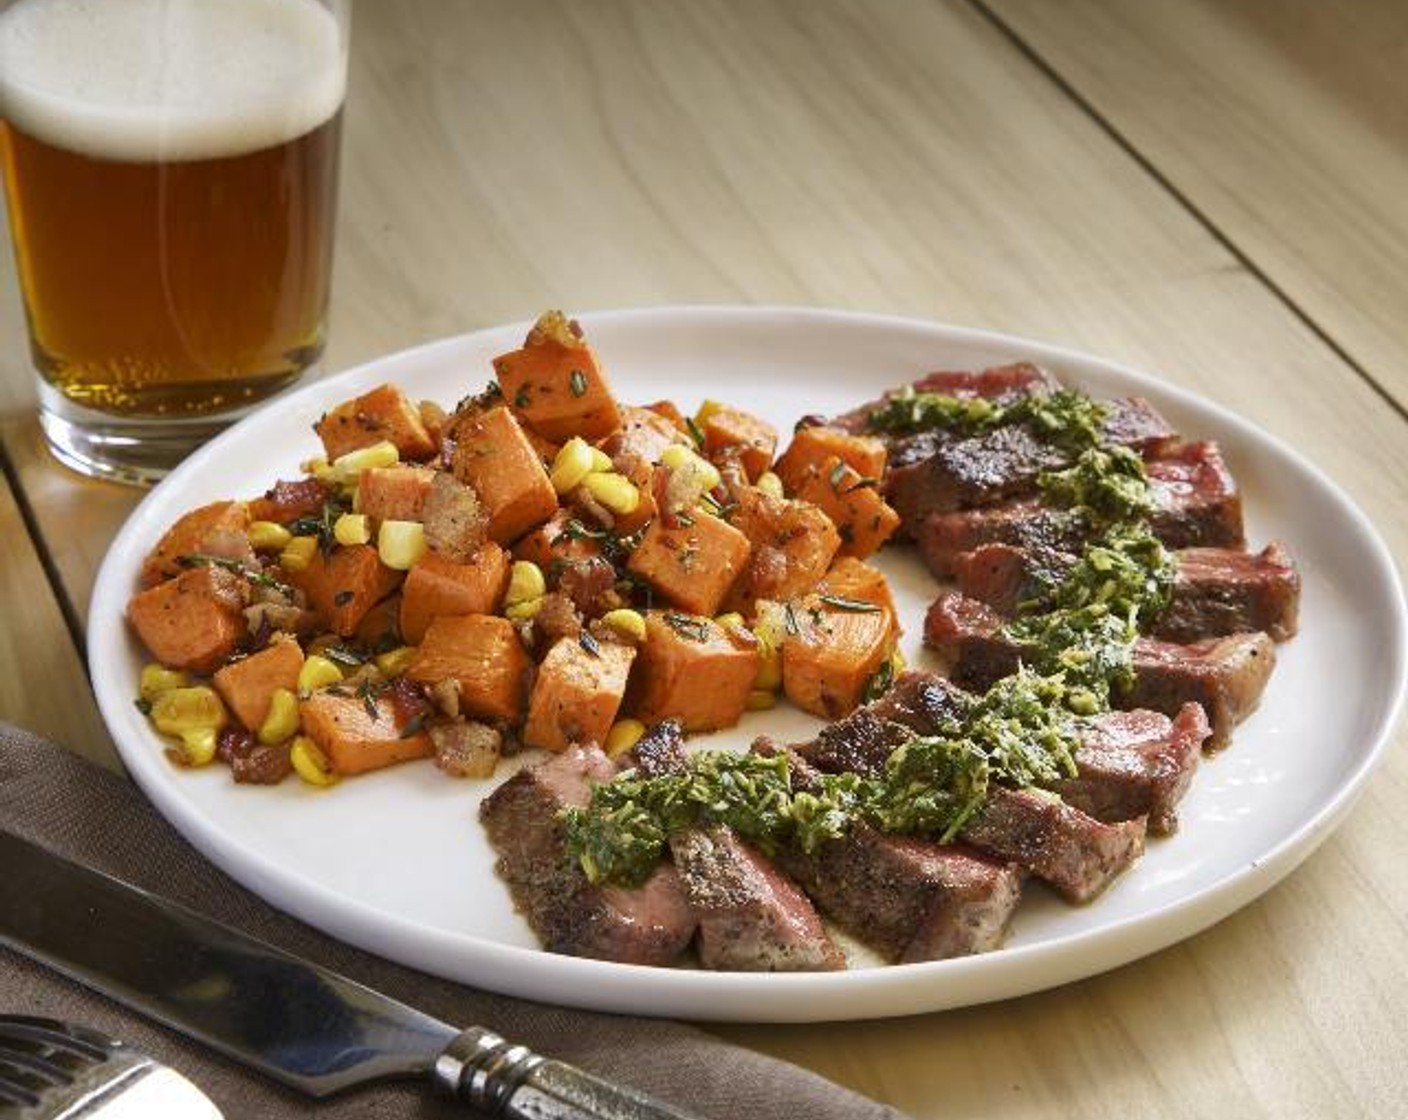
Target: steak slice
<point>659,751</point>
<point>1003,385</point>
<point>1006,462</point>
<point>1221,591</point>
<point>650,924</point>
<point>1226,675</point>
<point>1077,854</point>
<point>1137,764</point>
<point>1025,523</point>
<point>1196,501</point>
<point>752,918</point>
<point>1216,591</point>
<point>908,899</point>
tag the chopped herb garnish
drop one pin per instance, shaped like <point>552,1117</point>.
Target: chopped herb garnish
<point>342,598</point>
<point>789,619</point>
<point>343,656</point>
<point>695,629</point>
<point>577,382</point>
<point>855,606</point>
<point>254,575</point>
<point>589,643</point>
<point>694,432</point>
<point>412,726</point>
<point>862,484</point>
<point>143,705</point>
<point>521,399</point>
<point>837,475</point>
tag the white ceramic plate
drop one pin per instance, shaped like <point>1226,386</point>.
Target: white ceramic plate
<point>396,863</point>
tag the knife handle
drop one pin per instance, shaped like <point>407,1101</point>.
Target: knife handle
<point>512,1082</point>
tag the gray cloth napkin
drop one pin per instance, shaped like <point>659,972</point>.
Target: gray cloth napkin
<point>52,797</point>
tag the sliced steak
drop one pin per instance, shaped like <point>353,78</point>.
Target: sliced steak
<point>659,751</point>
<point>651,924</point>
<point>1003,385</point>
<point>943,537</point>
<point>858,743</point>
<point>908,899</point>
<point>1196,500</point>
<point>1077,854</point>
<point>1226,675</point>
<point>752,918</point>
<point>1221,591</point>
<point>920,701</point>
<point>1137,764</point>
<point>1216,591</point>
<point>1005,463</point>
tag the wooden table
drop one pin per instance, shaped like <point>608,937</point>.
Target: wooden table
<point>1216,191</point>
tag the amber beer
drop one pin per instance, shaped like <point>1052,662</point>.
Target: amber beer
<point>173,216</point>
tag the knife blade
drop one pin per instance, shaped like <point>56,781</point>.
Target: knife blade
<point>299,1023</point>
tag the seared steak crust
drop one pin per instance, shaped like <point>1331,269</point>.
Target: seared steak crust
<point>752,918</point>
<point>1077,854</point>
<point>651,924</point>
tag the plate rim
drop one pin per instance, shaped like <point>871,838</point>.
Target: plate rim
<point>891,990</point>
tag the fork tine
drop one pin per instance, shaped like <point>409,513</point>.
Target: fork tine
<point>79,1041</point>
<point>35,1065</point>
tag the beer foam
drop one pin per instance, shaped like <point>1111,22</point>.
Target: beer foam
<point>235,76</point>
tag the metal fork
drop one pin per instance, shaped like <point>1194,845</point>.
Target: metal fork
<point>58,1071</point>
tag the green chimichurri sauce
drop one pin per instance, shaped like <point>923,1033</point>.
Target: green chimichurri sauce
<point>1078,633</point>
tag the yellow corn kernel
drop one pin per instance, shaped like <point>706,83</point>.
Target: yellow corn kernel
<point>601,461</point>
<point>518,612</point>
<point>198,746</point>
<point>400,544</point>
<point>268,536</point>
<point>769,668</point>
<point>770,485</point>
<point>615,491</point>
<point>310,763</point>
<point>352,528</point>
<point>626,622</point>
<point>348,468</point>
<point>319,468</point>
<point>317,672</point>
<point>298,553</point>
<point>624,734</point>
<point>156,679</point>
<point>731,621</point>
<point>525,582</point>
<point>706,410</point>
<point>702,475</point>
<point>760,699</point>
<point>179,710</point>
<point>396,661</point>
<point>572,464</point>
<point>282,721</point>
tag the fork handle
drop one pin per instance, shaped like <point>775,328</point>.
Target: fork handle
<point>512,1082</point>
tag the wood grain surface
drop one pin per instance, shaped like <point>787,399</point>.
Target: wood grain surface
<point>955,162</point>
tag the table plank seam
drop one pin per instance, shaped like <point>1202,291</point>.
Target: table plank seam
<point>1223,239</point>
<point>30,520</point>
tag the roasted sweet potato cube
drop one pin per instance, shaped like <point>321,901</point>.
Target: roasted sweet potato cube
<point>380,627</point>
<point>383,413</point>
<point>344,585</point>
<point>394,493</point>
<point>793,545</point>
<point>642,438</point>
<point>577,693</point>
<point>437,586</point>
<point>692,669</point>
<point>483,654</point>
<point>217,529</point>
<point>731,432</point>
<point>494,457</point>
<point>813,446</point>
<point>850,578</point>
<point>691,565</point>
<point>354,739</point>
<point>555,384</point>
<point>838,648</point>
<point>289,499</point>
<point>193,621</point>
<point>555,540</point>
<point>246,685</point>
<point>863,518</point>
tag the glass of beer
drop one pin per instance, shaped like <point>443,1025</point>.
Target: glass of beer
<point>171,172</point>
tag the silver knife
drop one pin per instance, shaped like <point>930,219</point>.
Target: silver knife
<point>303,1025</point>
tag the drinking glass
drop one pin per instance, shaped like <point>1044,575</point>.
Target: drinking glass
<point>171,175</point>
